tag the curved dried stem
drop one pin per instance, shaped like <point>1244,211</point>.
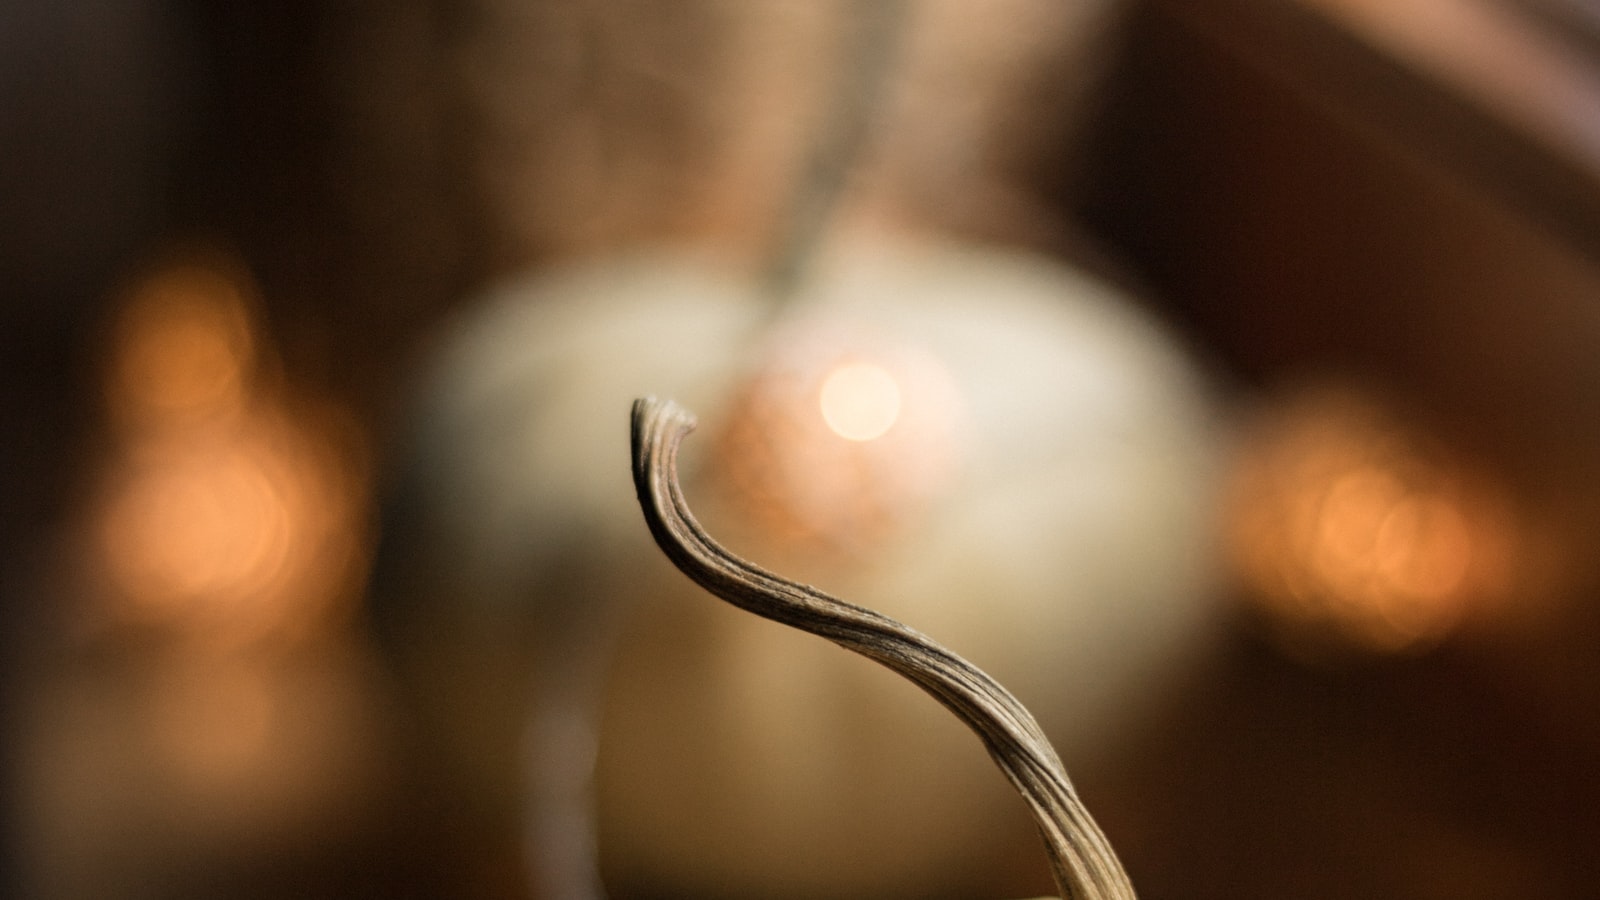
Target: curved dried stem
<point>1084,865</point>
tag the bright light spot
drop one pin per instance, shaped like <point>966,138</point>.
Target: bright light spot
<point>1347,523</point>
<point>860,401</point>
<point>201,524</point>
<point>836,440</point>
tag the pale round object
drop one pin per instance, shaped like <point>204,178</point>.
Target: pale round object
<point>1062,542</point>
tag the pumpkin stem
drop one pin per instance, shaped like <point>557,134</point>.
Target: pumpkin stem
<point>1081,858</point>
<point>845,130</point>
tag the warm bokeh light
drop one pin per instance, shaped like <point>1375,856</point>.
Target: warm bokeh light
<point>216,702</point>
<point>226,510</point>
<point>883,444</point>
<point>213,721</point>
<point>860,401</point>
<point>1346,524</point>
<point>191,755</point>
<point>184,348</point>
<point>197,521</point>
<point>250,531</point>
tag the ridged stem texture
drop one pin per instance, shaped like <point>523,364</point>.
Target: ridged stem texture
<point>1081,858</point>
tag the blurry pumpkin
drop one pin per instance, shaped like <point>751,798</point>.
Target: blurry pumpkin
<point>1016,460</point>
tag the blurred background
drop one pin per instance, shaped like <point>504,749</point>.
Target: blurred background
<point>1359,243</point>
